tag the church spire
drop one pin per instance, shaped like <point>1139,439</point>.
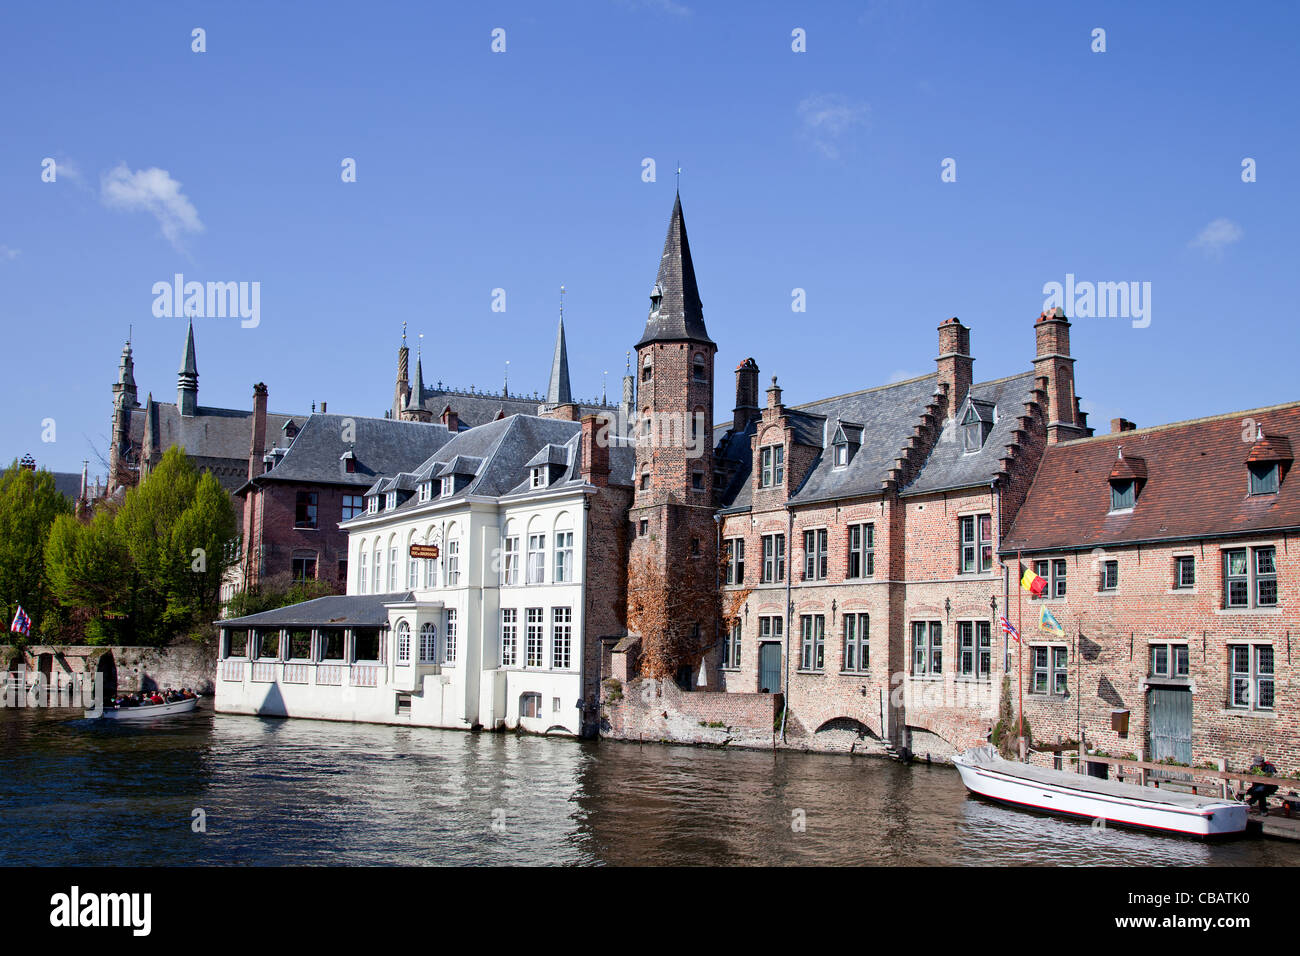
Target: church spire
<point>187,382</point>
<point>557,392</point>
<point>676,313</point>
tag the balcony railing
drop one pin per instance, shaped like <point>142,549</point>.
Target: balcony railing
<point>262,672</point>
<point>297,673</point>
<point>330,674</point>
<point>365,675</point>
<point>232,670</point>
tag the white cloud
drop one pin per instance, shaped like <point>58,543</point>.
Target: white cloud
<point>1218,235</point>
<point>827,117</point>
<point>7,252</point>
<point>154,191</point>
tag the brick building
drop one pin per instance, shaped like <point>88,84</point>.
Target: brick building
<point>1168,558</point>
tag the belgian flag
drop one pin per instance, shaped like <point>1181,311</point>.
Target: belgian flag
<point>1031,582</point>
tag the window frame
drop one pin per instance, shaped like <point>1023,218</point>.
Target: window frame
<point>856,628</point>
<point>863,552</point>
<point>306,511</point>
<point>812,643</point>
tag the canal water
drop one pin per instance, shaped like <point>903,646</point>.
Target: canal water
<point>288,792</point>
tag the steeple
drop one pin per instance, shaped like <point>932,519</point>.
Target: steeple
<point>676,313</point>
<point>402,390</point>
<point>124,391</point>
<point>187,383</point>
<point>414,409</point>
<point>558,393</point>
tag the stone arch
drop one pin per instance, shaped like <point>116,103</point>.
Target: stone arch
<point>106,668</point>
<point>559,728</point>
<point>851,724</point>
<point>927,739</point>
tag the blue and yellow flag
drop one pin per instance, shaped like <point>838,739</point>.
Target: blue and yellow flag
<point>1048,622</point>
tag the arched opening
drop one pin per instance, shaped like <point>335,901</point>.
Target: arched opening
<point>106,670</point>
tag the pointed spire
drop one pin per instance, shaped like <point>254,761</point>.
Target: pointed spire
<point>187,383</point>
<point>416,397</point>
<point>558,393</point>
<point>676,313</point>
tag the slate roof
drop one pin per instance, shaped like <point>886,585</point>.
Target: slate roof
<point>339,610</point>
<point>1196,485</point>
<point>681,314</point>
<point>212,433</point>
<point>479,408</point>
<point>949,466</point>
<point>383,447</point>
<point>67,483</point>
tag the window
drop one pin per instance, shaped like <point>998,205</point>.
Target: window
<point>425,492</point>
<point>361,574</point>
<point>449,640</point>
<point>304,510</point>
<point>1123,495</point>
<point>1053,572</point>
<point>563,556</point>
<point>813,647</point>
<point>403,642</point>
<point>453,563</point>
<point>299,644</point>
<point>736,561</point>
<point>814,555</point>
<point>343,572</point>
<point>974,649</point>
<point>365,644</point>
<point>976,544</point>
<point>536,558</point>
<point>731,648</point>
<point>510,566</point>
<point>1109,575</point>
<point>771,629</point>
<point>1252,675</point>
<point>390,501</point>
<point>697,481</point>
<point>1263,478</point>
<point>857,649</point>
<point>841,454</point>
<point>773,470</point>
<point>695,547</point>
<point>392,568</point>
<point>647,369</point>
<point>428,643</point>
<point>773,558</point>
<point>372,506</point>
<point>645,481</point>
<point>304,569</point>
<point>555,705</point>
<point>537,479</point>
<point>430,572</point>
<point>1237,586</point>
<point>1050,670</point>
<point>533,647</point>
<point>378,584</point>
<point>509,637</point>
<point>1185,571</point>
<point>331,644</point>
<point>698,371</point>
<point>530,705</point>
<point>1169,660</point>
<point>412,571</point>
<point>972,429</point>
<point>643,528</point>
<point>237,643</point>
<point>268,644</point>
<point>862,550</point>
<point>561,637</point>
<point>448,486</point>
<point>353,505</point>
<point>927,648</point>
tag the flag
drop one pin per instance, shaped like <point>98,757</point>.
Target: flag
<point>1048,622</point>
<point>22,623</point>
<point>1009,627</point>
<point>1031,582</point>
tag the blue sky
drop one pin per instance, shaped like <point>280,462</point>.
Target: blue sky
<point>522,170</point>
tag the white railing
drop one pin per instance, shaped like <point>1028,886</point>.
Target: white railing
<point>365,675</point>
<point>297,674</point>
<point>331,674</point>
<point>232,670</point>
<point>262,672</point>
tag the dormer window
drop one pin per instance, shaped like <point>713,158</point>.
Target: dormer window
<point>372,506</point>
<point>656,298</point>
<point>537,478</point>
<point>426,492</point>
<point>841,454</point>
<point>1127,476</point>
<point>1264,477</point>
<point>390,501</point>
<point>972,430</point>
<point>844,443</point>
<point>1123,495</point>
<point>448,486</point>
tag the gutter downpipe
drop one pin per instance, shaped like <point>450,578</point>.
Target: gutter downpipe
<point>1006,590</point>
<point>789,573</point>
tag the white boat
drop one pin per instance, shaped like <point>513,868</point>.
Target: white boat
<point>146,711</point>
<point>986,774</point>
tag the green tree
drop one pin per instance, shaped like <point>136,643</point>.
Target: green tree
<point>89,571</point>
<point>29,505</point>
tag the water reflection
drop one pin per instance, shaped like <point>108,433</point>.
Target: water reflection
<point>293,792</point>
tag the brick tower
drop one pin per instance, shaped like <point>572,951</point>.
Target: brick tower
<point>672,510</point>
<point>124,400</point>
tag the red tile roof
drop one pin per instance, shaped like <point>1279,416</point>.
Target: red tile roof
<point>1196,484</point>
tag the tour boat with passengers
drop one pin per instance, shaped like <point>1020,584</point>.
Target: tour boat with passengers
<point>986,774</point>
<point>146,711</point>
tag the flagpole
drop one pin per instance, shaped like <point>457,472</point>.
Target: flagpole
<point>1020,660</point>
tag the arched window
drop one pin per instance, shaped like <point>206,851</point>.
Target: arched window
<point>361,569</point>
<point>430,564</point>
<point>412,565</point>
<point>377,585</point>
<point>451,557</point>
<point>403,642</point>
<point>428,643</point>
<point>392,562</point>
<point>699,370</point>
<point>563,570</point>
<point>647,368</point>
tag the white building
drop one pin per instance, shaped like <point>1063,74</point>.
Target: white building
<point>500,629</point>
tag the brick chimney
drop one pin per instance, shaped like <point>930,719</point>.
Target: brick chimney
<point>257,446</point>
<point>450,419</point>
<point>746,409</point>
<point>1121,425</point>
<point>774,395</point>
<point>597,433</point>
<point>1053,365</point>
<point>954,361</point>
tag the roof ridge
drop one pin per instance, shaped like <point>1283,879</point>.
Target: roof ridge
<point>1124,436</point>
<point>863,391</point>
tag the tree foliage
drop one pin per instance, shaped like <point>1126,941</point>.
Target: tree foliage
<point>29,506</point>
<point>676,617</point>
<point>277,591</point>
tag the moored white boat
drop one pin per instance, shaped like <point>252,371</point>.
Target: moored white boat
<point>146,711</point>
<point>985,773</point>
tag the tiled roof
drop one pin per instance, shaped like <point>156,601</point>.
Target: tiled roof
<point>1196,485</point>
<point>338,610</point>
<point>212,433</point>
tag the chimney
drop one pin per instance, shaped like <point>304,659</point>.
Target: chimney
<point>774,395</point>
<point>1053,364</point>
<point>451,420</point>
<point>954,361</point>
<point>1121,425</point>
<point>257,447</point>
<point>322,408</point>
<point>596,431</point>
<point>746,409</point>
<point>28,463</point>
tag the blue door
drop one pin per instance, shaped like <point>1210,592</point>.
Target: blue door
<point>769,668</point>
<point>1170,732</point>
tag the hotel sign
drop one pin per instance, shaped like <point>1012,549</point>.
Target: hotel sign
<point>424,551</point>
